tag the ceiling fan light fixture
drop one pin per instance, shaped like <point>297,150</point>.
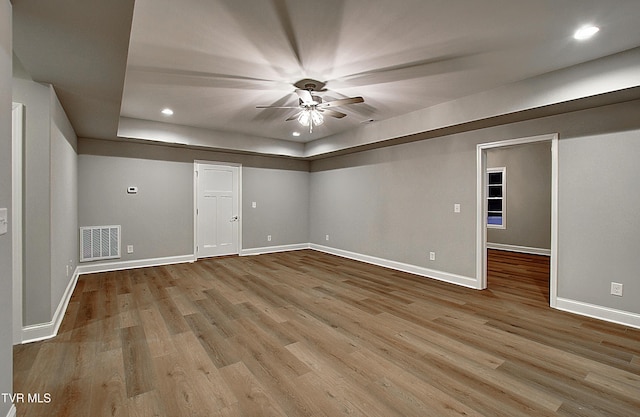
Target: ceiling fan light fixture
<point>316,117</point>
<point>304,118</point>
<point>310,116</point>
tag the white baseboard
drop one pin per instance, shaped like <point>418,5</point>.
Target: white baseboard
<point>42,331</point>
<point>399,266</point>
<point>521,249</point>
<point>12,411</point>
<point>274,249</point>
<point>93,268</point>
<point>599,312</point>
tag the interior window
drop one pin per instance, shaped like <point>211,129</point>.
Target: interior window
<point>496,198</point>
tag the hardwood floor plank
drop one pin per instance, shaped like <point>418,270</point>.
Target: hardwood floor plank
<point>328,380</point>
<point>408,391</point>
<point>172,318</point>
<point>156,333</point>
<point>210,381</point>
<point>267,350</point>
<point>71,400</point>
<point>305,333</point>
<point>216,345</point>
<point>109,393</point>
<point>253,399</point>
<point>148,404</point>
<point>179,392</point>
<point>138,369</point>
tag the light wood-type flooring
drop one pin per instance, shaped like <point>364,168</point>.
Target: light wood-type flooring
<point>309,334</point>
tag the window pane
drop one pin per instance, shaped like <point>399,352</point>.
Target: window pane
<point>495,191</point>
<point>495,219</point>
<point>495,178</point>
<point>494,205</point>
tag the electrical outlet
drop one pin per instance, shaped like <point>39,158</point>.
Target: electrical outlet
<point>254,204</point>
<point>456,208</point>
<point>129,248</point>
<point>616,289</point>
<point>326,237</point>
<point>432,256</point>
<point>268,238</point>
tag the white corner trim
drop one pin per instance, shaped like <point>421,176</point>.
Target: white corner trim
<point>42,331</point>
<point>599,312</point>
<point>12,411</point>
<point>274,249</point>
<point>520,249</point>
<point>399,266</point>
<point>140,263</point>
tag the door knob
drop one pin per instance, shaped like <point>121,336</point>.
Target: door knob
<point>234,219</point>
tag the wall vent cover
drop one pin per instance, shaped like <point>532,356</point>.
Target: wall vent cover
<point>99,242</point>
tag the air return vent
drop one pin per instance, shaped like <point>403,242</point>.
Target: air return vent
<point>99,242</point>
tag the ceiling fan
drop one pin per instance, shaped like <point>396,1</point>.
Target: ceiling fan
<point>311,108</point>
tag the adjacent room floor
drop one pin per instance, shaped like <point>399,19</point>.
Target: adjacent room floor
<point>309,334</point>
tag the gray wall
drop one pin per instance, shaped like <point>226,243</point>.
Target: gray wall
<point>50,202</point>
<point>37,220</point>
<point>64,203</point>
<point>600,219</point>
<point>6,352</point>
<point>528,195</point>
<point>282,207</point>
<point>397,203</point>
<point>158,220</point>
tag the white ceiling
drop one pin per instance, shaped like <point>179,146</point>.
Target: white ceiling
<point>213,61</point>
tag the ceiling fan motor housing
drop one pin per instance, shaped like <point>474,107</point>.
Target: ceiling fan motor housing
<point>316,99</point>
<point>310,85</point>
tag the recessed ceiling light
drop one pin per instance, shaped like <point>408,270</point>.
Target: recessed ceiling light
<point>167,112</point>
<point>585,32</point>
<point>296,134</point>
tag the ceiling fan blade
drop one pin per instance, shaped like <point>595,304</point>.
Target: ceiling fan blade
<point>407,71</point>
<point>332,113</point>
<point>294,117</point>
<point>168,76</point>
<point>341,102</point>
<point>305,96</point>
<point>277,107</point>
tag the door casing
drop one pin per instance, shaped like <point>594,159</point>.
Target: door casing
<point>481,209</point>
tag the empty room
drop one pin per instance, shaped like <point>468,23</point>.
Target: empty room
<point>319,208</point>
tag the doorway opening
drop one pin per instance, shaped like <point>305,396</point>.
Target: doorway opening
<point>482,209</point>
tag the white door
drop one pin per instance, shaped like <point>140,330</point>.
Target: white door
<point>217,218</point>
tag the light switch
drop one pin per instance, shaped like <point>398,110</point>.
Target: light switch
<point>456,208</point>
<point>4,222</point>
<point>254,204</point>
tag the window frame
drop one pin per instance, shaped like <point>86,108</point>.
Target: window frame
<point>503,198</point>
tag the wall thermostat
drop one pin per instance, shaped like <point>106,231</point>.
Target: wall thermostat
<point>132,190</point>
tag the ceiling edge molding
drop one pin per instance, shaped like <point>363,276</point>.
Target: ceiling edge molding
<point>172,134</point>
